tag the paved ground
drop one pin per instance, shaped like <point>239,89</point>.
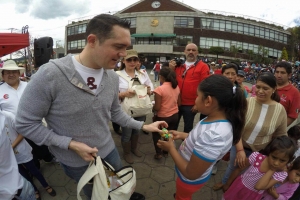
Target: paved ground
<point>155,179</point>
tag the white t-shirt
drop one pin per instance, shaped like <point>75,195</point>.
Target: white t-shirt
<point>209,141</point>
<point>23,149</point>
<point>10,179</point>
<point>144,79</point>
<point>10,97</point>
<point>92,77</point>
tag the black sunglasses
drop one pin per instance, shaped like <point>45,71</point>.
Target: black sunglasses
<point>132,59</point>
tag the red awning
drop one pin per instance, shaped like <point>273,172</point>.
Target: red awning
<point>11,42</point>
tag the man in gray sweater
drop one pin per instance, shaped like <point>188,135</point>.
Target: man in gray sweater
<point>78,96</point>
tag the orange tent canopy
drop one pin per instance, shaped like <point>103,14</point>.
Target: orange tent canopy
<point>11,42</point>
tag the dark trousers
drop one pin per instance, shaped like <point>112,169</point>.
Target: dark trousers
<point>188,117</point>
<point>116,126</point>
<point>40,153</point>
<point>172,122</point>
<point>29,167</point>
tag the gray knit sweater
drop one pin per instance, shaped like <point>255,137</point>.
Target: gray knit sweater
<point>72,111</point>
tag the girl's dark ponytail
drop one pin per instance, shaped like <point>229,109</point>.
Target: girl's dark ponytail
<point>230,98</point>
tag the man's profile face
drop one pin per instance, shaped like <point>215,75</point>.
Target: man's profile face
<point>11,77</point>
<point>282,77</point>
<point>108,53</point>
<point>191,52</point>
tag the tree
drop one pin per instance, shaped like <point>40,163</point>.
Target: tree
<point>235,50</point>
<point>216,51</point>
<point>200,50</point>
<point>284,54</point>
<point>294,43</point>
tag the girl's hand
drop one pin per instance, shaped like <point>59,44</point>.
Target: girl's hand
<point>178,135</point>
<point>166,145</point>
<point>129,93</point>
<point>240,159</point>
<point>273,192</point>
<point>148,90</point>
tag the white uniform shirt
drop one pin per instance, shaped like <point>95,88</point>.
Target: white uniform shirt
<point>23,149</point>
<point>10,179</point>
<point>10,97</point>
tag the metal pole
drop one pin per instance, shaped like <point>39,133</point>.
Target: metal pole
<point>11,30</point>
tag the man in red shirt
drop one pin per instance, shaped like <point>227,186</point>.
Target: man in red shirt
<point>289,95</point>
<point>189,75</point>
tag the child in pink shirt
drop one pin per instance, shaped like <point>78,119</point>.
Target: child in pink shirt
<point>167,100</point>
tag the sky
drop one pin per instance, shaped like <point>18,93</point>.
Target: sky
<point>49,17</point>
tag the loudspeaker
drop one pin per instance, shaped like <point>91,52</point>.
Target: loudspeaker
<point>43,50</point>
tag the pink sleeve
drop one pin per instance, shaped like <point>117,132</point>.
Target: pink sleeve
<point>158,90</point>
<point>280,176</point>
<point>252,157</point>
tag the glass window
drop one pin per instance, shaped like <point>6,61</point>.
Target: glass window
<point>202,42</point>
<point>234,27</point>
<point>285,38</point>
<point>216,24</point>
<point>240,28</point>
<point>272,35</point>
<point>132,21</point>
<point>261,32</point>
<point>228,26</point>
<point>183,40</point>
<point>184,22</point>
<point>276,36</point>
<point>257,31</point>
<point>222,25</point>
<point>267,33</point>
<point>209,43</point>
<point>251,30</point>
<point>246,29</point>
<point>280,37</point>
<point>215,42</point>
<point>221,43</point>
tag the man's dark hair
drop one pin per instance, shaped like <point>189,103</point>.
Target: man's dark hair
<point>101,26</point>
<point>287,66</point>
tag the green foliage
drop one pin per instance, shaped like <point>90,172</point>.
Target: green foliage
<point>284,54</point>
<point>200,50</point>
<point>235,50</point>
<point>216,51</point>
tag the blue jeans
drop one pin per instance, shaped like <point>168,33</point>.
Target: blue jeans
<point>113,158</point>
<point>29,167</point>
<point>27,191</point>
<point>127,132</point>
<point>188,117</point>
<point>231,166</point>
<point>156,77</point>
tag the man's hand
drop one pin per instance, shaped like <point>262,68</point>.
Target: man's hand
<point>194,109</point>
<point>83,150</point>
<point>155,127</point>
<point>240,159</point>
<point>172,64</point>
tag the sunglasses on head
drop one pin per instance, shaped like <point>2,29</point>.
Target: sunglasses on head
<point>132,59</point>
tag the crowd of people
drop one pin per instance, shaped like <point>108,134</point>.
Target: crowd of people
<point>78,95</point>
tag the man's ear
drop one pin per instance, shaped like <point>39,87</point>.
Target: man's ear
<point>91,40</point>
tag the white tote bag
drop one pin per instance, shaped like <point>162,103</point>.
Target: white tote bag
<point>96,172</point>
<point>140,104</point>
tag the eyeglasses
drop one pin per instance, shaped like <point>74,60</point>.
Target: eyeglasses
<point>6,72</point>
<point>132,59</point>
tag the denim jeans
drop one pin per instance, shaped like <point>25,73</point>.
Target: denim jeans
<point>113,158</point>
<point>29,167</point>
<point>231,166</point>
<point>127,132</point>
<point>188,117</point>
<point>27,191</point>
<point>156,77</point>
